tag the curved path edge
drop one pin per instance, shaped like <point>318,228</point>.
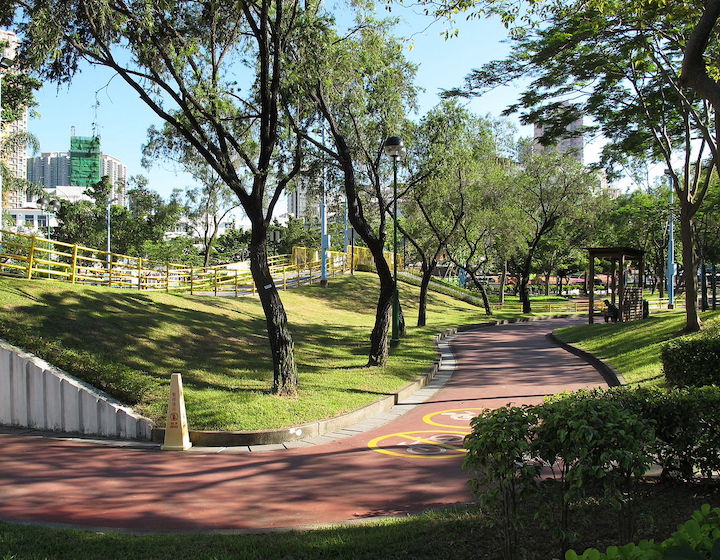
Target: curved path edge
<point>611,376</point>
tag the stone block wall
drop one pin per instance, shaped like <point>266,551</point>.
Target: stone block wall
<point>35,394</point>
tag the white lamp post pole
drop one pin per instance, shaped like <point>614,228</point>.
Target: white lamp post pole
<point>107,219</point>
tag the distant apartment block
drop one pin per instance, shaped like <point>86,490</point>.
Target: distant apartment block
<point>82,166</point>
<point>573,144</point>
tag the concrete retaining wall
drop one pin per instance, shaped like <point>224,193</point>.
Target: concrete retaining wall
<point>34,394</point>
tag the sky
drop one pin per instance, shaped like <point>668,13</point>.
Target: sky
<point>97,102</point>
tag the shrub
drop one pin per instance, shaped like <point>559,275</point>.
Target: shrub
<point>685,421</point>
<point>692,360</point>
<point>593,444</point>
<point>696,539</point>
<point>498,450</point>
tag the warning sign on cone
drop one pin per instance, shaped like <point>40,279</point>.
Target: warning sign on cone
<point>177,436</point>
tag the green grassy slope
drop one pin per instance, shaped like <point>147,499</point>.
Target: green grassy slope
<point>632,348</point>
<point>128,343</point>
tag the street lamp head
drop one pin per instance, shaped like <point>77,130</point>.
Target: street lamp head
<point>5,62</point>
<point>54,205</point>
<point>42,201</point>
<point>394,147</point>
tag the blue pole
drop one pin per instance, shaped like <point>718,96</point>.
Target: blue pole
<point>323,227</point>
<point>670,272</point>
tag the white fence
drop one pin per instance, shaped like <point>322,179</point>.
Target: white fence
<point>35,394</point>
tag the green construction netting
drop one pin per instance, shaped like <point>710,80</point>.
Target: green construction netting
<point>84,160</point>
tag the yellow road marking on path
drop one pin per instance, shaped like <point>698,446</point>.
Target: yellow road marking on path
<point>425,447</point>
<point>459,414</point>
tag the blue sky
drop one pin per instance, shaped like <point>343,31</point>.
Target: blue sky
<point>122,119</point>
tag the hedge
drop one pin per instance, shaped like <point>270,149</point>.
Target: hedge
<point>692,360</point>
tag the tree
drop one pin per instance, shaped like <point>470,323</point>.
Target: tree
<point>362,87</point>
<point>550,188</point>
<point>452,151</point>
<point>641,218</point>
<point>293,234</point>
<point>619,63</point>
<point>147,220</point>
<point>183,59</point>
<point>232,246</point>
<point>206,206</point>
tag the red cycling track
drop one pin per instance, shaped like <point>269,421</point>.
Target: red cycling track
<point>407,465</point>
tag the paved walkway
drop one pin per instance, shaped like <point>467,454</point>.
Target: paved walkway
<point>405,461</point>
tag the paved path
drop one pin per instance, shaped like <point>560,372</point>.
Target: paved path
<point>407,464</point>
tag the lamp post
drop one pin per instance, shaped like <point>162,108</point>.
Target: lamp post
<point>107,219</point>
<point>395,148</point>
<point>47,205</point>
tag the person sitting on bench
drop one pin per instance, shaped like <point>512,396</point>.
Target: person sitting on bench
<point>610,312</point>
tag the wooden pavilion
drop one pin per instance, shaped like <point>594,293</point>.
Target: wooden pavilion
<point>627,278</point>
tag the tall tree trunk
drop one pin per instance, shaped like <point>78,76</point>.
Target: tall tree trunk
<point>427,271</point>
<point>524,280</point>
<point>524,295</point>
<point>547,283</point>
<point>285,378</point>
<point>692,315</point>
<point>379,346</point>
<point>483,292</point>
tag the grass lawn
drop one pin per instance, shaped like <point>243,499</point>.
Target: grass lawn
<point>457,534</point>
<point>128,342</point>
<point>632,348</point>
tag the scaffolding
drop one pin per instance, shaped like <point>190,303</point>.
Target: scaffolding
<point>84,161</point>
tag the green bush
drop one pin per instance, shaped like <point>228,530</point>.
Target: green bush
<point>501,441</point>
<point>685,420</point>
<point>692,360</point>
<point>365,268</point>
<point>696,539</point>
<point>594,444</point>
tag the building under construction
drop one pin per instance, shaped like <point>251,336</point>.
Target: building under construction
<point>85,160</point>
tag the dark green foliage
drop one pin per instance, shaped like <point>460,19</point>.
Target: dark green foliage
<point>684,419</point>
<point>232,246</point>
<point>501,441</point>
<point>594,444</point>
<point>696,539</point>
<point>693,360</point>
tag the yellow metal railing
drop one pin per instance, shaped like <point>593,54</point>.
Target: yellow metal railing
<point>30,256</point>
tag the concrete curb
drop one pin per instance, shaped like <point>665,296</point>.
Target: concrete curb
<point>611,376</point>
<point>208,438</point>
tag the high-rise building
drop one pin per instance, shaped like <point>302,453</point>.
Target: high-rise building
<point>49,169</point>
<point>116,172</point>
<point>13,154</point>
<point>572,144</point>
<point>82,166</point>
<point>299,205</point>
